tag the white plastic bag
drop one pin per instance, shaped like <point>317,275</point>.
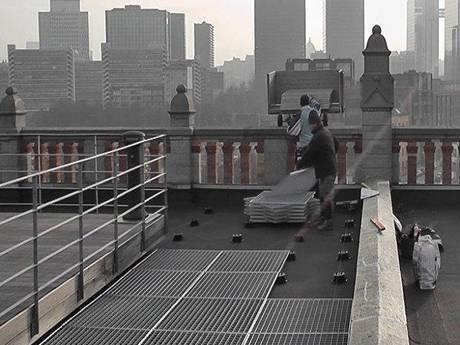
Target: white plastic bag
<point>427,260</point>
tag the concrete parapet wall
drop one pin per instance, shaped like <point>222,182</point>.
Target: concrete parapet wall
<point>378,312</point>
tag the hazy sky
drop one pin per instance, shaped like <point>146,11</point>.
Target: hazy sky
<point>233,21</point>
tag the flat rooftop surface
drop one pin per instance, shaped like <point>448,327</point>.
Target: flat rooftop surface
<point>433,316</point>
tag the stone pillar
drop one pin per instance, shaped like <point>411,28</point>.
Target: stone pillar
<point>412,151</point>
<point>228,162</point>
<point>396,164</point>
<point>12,120</point>
<point>447,150</point>
<point>245,150</point>
<point>430,150</point>
<point>377,102</point>
<point>342,162</point>
<point>275,160</point>
<point>211,152</point>
<point>180,168</point>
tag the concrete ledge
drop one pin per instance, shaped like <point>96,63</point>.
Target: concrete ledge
<point>378,314</point>
<point>62,301</point>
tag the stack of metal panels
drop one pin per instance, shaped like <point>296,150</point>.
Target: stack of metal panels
<point>269,207</point>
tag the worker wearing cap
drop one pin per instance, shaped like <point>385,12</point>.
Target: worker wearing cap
<point>321,154</point>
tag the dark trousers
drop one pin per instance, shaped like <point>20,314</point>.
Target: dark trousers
<point>326,196</point>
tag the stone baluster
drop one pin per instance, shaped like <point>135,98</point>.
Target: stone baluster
<point>245,150</point>
<point>447,150</point>
<point>60,161</point>
<point>73,158</point>
<point>260,161</point>
<point>342,163</point>
<point>227,148</point>
<point>211,150</point>
<point>196,165</point>
<point>412,150</point>
<point>30,154</point>
<point>396,162</point>
<point>429,150</point>
<point>358,148</point>
<point>45,162</point>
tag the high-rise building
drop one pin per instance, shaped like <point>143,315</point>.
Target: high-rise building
<point>134,77</point>
<point>186,72</point>
<point>280,34</point>
<point>212,84</point>
<point>32,45</point>
<point>452,40</point>
<point>3,77</point>
<point>238,72</point>
<point>43,78</point>
<point>89,82</point>
<point>402,62</point>
<point>423,34</point>
<point>133,27</point>
<point>65,26</point>
<point>344,31</point>
<point>177,36</point>
<point>204,44</point>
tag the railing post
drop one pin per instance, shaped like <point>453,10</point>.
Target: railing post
<point>211,150</point>
<point>34,312</point>
<point>412,151</point>
<point>80,288</point>
<point>135,158</point>
<point>228,162</point>
<point>342,162</point>
<point>430,150</point>
<point>396,163</point>
<point>245,150</point>
<point>447,150</point>
<point>165,186</point>
<point>115,212</point>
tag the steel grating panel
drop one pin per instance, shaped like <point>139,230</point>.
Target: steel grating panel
<point>147,283</point>
<point>194,338</point>
<point>179,260</point>
<point>94,336</point>
<point>212,315</point>
<point>305,316</point>
<point>250,261</point>
<point>123,312</point>
<point>298,339</point>
<point>234,285</point>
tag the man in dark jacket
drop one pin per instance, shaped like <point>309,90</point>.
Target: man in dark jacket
<point>321,154</point>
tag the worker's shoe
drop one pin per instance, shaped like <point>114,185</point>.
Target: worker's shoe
<point>326,225</point>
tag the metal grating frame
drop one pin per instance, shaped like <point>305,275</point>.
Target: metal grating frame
<point>179,260</point>
<point>250,261</point>
<point>298,339</point>
<point>95,336</point>
<point>194,338</point>
<point>234,285</point>
<point>124,312</point>
<point>305,316</point>
<point>221,315</point>
<point>149,283</point>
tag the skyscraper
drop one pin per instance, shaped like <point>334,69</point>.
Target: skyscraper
<point>280,34</point>
<point>65,27</point>
<point>204,44</point>
<point>423,34</point>
<point>452,40</point>
<point>133,27</point>
<point>177,36</point>
<point>344,31</point>
<point>44,78</point>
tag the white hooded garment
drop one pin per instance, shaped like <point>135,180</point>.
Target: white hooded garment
<point>428,262</point>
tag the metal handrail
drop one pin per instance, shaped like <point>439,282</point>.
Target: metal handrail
<point>81,161</point>
<point>37,206</point>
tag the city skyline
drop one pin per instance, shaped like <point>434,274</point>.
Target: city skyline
<point>232,38</point>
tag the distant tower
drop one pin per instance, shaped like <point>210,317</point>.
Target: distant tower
<point>65,27</point>
<point>177,36</point>
<point>452,40</point>
<point>423,34</point>
<point>310,48</point>
<point>279,35</point>
<point>204,44</point>
<point>344,31</point>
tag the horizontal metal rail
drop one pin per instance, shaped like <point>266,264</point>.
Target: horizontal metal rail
<point>139,166</point>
